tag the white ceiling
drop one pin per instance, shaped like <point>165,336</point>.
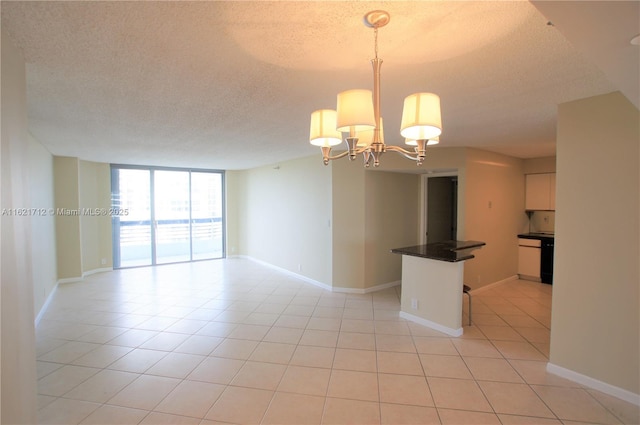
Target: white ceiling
<point>231,85</point>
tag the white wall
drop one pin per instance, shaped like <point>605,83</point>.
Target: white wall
<point>17,349</point>
<point>595,327</point>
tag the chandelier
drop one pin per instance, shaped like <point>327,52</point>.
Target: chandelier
<point>358,116</point>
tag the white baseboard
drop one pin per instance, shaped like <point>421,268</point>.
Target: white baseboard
<point>367,290</point>
<point>84,274</point>
<point>62,282</point>
<point>432,325</point>
<point>70,280</point>
<point>289,272</point>
<point>94,271</point>
<point>614,391</point>
<point>45,305</point>
<point>324,285</point>
<point>494,284</point>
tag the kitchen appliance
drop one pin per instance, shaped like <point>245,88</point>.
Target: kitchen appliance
<point>535,256</point>
<point>546,261</point>
<point>529,258</point>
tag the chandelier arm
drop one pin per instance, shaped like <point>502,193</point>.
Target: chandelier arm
<point>415,156</point>
<point>400,150</point>
<point>326,150</point>
<point>340,155</point>
<point>358,151</point>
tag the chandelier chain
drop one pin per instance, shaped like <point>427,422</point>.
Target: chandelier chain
<point>375,41</point>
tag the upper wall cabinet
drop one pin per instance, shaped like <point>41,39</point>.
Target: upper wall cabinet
<point>540,192</point>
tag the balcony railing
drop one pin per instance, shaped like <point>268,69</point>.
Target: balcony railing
<point>169,231</point>
<point>172,241</point>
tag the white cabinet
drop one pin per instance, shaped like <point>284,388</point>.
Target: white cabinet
<point>540,191</point>
<point>529,258</point>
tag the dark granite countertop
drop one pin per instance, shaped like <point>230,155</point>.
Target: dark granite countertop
<point>537,235</point>
<point>451,251</point>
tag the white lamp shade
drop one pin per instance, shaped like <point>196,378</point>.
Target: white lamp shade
<point>322,131</point>
<point>430,142</point>
<point>421,118</point>
<point>365,137</point>
<point>355,110</point>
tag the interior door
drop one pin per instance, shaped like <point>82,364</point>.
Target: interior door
<point>442,211</point>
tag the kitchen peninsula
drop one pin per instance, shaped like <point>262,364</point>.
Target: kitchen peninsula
<point>432,280</point>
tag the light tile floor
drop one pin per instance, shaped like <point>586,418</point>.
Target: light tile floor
<point>232,341</point>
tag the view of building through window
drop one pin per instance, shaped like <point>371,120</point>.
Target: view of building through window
<point>168,215</point>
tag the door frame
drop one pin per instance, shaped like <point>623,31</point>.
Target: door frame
<point>422,237</point>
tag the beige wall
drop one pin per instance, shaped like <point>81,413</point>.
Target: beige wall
<point>540,165</point>
<point>392,207</point>
<point>595,328</point>
<point>348,211</point>
<point>232,213</point>
<point>359,215</point>
<point>483,178</point>
<point>368,223</point>
<point>67,198</point>
<point>83,236</point>
<point>94,194</point>
<point>284,215</point>
<point>17,346</point>
<point>494,213</point>
<point>43,223</point>
<point>337,222</point>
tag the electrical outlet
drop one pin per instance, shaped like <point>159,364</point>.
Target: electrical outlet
<point>103,261</point>
<point>414,303</point>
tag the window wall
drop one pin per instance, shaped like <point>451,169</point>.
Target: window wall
<point>166,215</point>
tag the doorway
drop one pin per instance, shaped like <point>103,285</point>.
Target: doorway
<point>441,209</point>
<point>168,215</point>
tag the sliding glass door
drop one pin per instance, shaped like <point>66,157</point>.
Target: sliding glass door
<point>172,216</point>
<point>132,230</point>
<point>206,216</point>
<point>168,215</point>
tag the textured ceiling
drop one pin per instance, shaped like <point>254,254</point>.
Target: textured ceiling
<point>231,85</point>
